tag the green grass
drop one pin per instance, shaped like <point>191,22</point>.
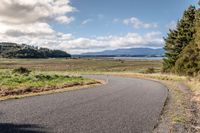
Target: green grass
<point>82,65</point>
<point>9,80</point>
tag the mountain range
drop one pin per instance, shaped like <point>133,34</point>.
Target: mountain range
<point>128,52</point>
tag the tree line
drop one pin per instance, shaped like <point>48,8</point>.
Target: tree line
<point>14,50</point>
<point>182,45</point>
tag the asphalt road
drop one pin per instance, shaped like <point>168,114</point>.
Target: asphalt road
<point>124,105</point>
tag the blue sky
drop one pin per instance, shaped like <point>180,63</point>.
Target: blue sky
<point>101,14</point>
<point>79,26</point>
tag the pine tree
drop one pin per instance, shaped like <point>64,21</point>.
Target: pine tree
<point>188,62</point>
<point>197,37</point>
<point>178,39</point>
<point>171,53</point>
<point>189,59</point>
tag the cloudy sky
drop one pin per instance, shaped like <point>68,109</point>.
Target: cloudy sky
<point>79,26</point>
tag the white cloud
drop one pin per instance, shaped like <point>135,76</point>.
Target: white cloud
<point>64,19</point>
<point>20,18</point>
<point>31,29</point>
<point>75,45</point>
<point>136,23</point>
<point>86,21</point>
<point>80,45</point>
<point>64,37</point>
<point>30,11</point>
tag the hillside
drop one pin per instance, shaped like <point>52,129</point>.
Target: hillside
<point>129,52</point>
<point>14,50</point>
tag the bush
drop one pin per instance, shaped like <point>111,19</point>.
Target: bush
<point>43,77</point>
<point>22,71</point>
<point>150,70</point>
<point>40,77</point>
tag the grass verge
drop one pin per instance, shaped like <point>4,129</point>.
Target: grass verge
<point>14,85</point>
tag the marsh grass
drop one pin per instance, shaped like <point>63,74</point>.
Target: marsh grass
<point>81,65</point>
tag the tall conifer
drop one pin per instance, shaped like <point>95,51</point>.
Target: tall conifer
<point>178,39</point>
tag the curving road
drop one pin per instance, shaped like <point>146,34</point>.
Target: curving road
<point>124,105</point>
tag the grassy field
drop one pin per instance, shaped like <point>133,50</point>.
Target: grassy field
<point>81,65</point>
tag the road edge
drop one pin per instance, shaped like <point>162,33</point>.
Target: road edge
<point>67,89</point>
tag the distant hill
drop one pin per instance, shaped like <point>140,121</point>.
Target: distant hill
<point>14,50</point>
<point>129,52</point>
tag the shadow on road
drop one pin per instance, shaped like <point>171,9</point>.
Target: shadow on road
<point>20,128</point>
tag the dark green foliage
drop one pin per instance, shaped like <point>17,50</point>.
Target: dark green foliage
<point>171,51</point>
<point>22,71</point>
<point>197,28</point>
<point>40,77</point>
<point>13,50</point>
<point>177,40</point>
<point>189,61</point>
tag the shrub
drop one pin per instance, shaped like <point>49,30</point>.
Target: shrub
<point>40,77</point>
<point>43,77</point>
<point>150,70</point>
<point>22,71</point>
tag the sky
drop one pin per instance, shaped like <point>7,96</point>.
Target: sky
<point>79,26</point>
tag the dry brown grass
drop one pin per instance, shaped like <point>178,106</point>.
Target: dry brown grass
<point>81,65</point>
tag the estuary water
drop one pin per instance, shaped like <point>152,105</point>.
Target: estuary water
<point>138,58</point>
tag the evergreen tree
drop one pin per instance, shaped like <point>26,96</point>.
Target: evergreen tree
<point>197,37</point>
<point>178,39</point>
<point>188,62</point>
<point>171,53</point>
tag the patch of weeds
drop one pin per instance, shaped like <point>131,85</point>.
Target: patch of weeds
<point>150,70</point>
<point>21,71</point>
<point>179,119</point>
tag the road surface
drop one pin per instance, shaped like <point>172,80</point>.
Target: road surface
<point>123,105</point>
